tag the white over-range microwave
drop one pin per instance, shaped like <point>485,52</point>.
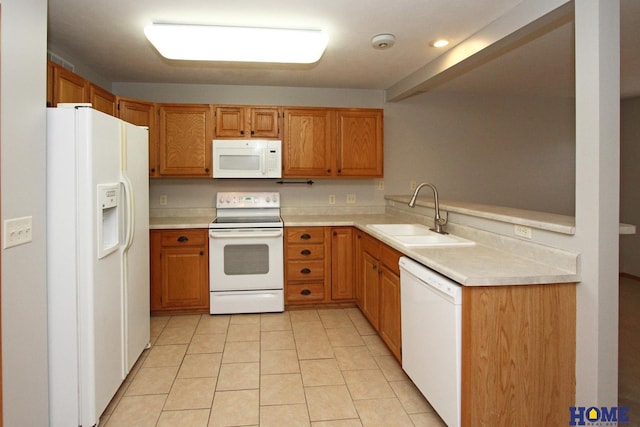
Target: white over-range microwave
<point>247,158</point>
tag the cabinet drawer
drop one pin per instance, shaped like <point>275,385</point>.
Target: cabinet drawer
<point>305,235</point>
<point>305,270</point>
<point>185,238</point>
<point>301,252</point>
<point>305,292</point>
<point>390,258</point>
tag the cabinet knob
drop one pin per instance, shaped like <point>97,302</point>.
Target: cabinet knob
<point>153,170</point>
<point>335,233</point>
<point>305,252</point>
<point>201,253</point>
<point>305,292</point>
<point>375,267</point>
<point>206,170</point>
<point>241,132</point>
<point>305,236</point>
<point>328,170</point>
<point>305,271</point>
<point>253,133</point>
<point>339,170</point>
<point>183,239</point>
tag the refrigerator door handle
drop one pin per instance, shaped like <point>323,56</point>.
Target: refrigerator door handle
<point>129,212</point>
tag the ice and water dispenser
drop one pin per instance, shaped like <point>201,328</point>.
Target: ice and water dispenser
<point>108,232</point>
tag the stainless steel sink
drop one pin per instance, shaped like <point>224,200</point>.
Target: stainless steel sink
<point>418,235</point>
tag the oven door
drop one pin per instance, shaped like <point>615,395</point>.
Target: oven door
<point>246,259</point>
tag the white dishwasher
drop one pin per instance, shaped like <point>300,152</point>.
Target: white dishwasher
<point>431,336</point>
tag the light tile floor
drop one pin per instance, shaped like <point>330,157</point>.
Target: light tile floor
<point>629,348</point>
<point>297,368</point>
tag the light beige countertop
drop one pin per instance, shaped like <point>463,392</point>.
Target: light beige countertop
<point>477,265</point>
<point>492,261</point>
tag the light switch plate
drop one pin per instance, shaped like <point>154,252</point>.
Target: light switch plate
<point>17,231</point>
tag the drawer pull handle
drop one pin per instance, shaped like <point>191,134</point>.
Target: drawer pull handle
<point>183,239</point>
<point>305,292</point>
<point>305,271</point>
<point>305,252</point>
<point>305,236</point>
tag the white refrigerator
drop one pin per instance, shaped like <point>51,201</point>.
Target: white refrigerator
<point>97,258</point>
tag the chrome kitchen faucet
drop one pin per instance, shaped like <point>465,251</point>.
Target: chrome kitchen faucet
<point>438,222</point>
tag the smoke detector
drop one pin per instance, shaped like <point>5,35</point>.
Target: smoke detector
<point>383,41</point>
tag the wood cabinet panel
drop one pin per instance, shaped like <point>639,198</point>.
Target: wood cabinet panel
<point>390,316</point>
<point>359,147</point>
<point>179,270</point>
<point>246,122</point>
<point>342,269</point>
<point>307,146</point>
<point>305,293</point>
<point>68,86</point>
<point>142,113</point>
<point>186,132</point>
<point>305,235</point>
<point>102,100</point>
<point>518,354</point>
<point>307,261</point>
<point>306,270</point>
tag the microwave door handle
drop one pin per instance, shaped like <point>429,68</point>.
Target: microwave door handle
<point>263,161</point>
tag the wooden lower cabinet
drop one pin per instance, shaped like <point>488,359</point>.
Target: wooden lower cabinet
<point>378,288</point>
<point>318,265</point>
<point>179,270</point>
<point>518,354</point>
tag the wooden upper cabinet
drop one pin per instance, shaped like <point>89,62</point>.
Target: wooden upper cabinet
<point>360,146</point>
<point>68,86</point>
<point>102,100</point>
<point>186,132</point>
<point>142,113</point>
<point>307,142</point>
<point>246,122</point>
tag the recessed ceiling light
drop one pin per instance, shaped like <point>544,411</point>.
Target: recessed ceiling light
<point>237,44</point>
<point>439,43</point>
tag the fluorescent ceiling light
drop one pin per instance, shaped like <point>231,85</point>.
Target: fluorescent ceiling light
<point>238,44</point>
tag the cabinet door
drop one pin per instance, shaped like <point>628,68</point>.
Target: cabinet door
<point>179,270</point>
<point>264,122</point>
<point>390,330</point>
<point>68,87</point>
<point>186,133</point>
<point>360,148</point>
<point>357,274</point>
<point>230,122</point>
<point>307,143</point>
<point>370,289</point>
<point>184,269</point>
<point>102,100</point>
<point>342,263</point>
<point>142,113</point>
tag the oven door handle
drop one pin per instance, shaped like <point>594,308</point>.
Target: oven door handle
<point>252,233</point>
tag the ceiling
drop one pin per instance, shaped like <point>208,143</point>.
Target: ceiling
<point>107,37</point>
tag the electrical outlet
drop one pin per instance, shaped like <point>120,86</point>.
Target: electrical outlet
<point>351,199</point>
<point>163,200</point>
<point>412,185</point>
<point>17,231</point>
<point>522,231</point>
<point>380,185</point>
<point>332,199</point>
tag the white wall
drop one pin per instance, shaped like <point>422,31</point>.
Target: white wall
<point>501,150</point>
<point>629,182</point>
<point>24,308</point>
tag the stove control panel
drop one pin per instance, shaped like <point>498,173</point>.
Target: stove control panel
<point>247,200</point>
